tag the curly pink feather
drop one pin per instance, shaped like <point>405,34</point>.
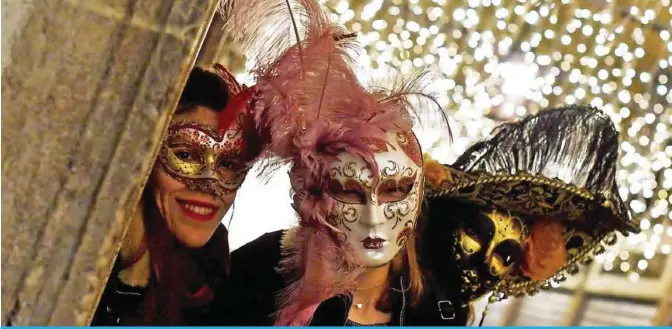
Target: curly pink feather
<point>310,107</point>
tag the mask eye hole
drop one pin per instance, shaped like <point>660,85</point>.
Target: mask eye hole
<point>498,267</point>
<point>504,256</point>
<point>350,193</point>
<point>229,164</point>
<point>350,196</point>
<point>186,154</point>
<point>226,164</point>
<point>394,192</point>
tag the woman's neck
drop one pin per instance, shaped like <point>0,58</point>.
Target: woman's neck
<point>373,279</point>
<point>370,287</point>
<point>133,255</point>
<point>134,244</point>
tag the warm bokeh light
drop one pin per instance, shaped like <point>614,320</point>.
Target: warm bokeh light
<point>502,59</point>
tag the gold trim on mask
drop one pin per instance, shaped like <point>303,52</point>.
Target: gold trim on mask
<point>506,228</point>
<point>214,162</point>
<point>470,244</point>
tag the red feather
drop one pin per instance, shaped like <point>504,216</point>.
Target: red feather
<point>236,105</point>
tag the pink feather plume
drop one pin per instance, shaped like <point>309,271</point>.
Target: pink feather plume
<point>310,107</point>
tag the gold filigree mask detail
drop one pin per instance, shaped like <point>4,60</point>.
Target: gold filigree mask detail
<point>506,228</point>
<point>203,159</point>
<point>489,247</point>
<point>470,245</point>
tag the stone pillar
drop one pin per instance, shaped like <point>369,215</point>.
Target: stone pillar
<point>218,48</point>
<point>88,87</point>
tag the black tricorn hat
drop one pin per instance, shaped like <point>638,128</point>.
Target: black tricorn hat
<point>560,163</point>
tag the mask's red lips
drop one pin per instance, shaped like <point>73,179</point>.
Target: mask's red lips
<point>198,210</point>
<point>373,243</point>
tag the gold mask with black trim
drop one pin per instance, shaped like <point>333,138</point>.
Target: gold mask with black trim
<point>487,248</point>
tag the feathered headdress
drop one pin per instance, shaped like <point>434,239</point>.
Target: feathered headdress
<point>235,105</point>
<point>237,112</point>
<point>311,107</point>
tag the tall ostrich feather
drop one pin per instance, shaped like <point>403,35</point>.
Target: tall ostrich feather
<point>310,106</point>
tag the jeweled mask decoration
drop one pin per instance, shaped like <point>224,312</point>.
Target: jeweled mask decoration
<point>203,158</point>
<point>487,247</point>
<point>377,208</point>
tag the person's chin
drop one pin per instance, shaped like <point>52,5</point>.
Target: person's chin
<point>376,259</point>
<point>195,237</point>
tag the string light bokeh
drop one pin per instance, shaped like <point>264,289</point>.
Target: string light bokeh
<point>505,59</point>
<point>502,59</point>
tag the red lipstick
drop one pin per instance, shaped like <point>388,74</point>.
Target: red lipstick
<point>198,210</point>
<point>373,243</point>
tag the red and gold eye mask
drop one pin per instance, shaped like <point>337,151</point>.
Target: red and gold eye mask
<point>204,159</point>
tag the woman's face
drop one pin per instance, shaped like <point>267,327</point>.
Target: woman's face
<point>197,175</point>
<point>378,211</point>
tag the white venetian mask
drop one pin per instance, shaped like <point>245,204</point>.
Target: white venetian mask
<point>378,211</point>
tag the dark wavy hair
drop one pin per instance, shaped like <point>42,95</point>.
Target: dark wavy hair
<point>204,88</point>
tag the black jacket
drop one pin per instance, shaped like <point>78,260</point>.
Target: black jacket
<point>248,298</point>
<point>121,304</point>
